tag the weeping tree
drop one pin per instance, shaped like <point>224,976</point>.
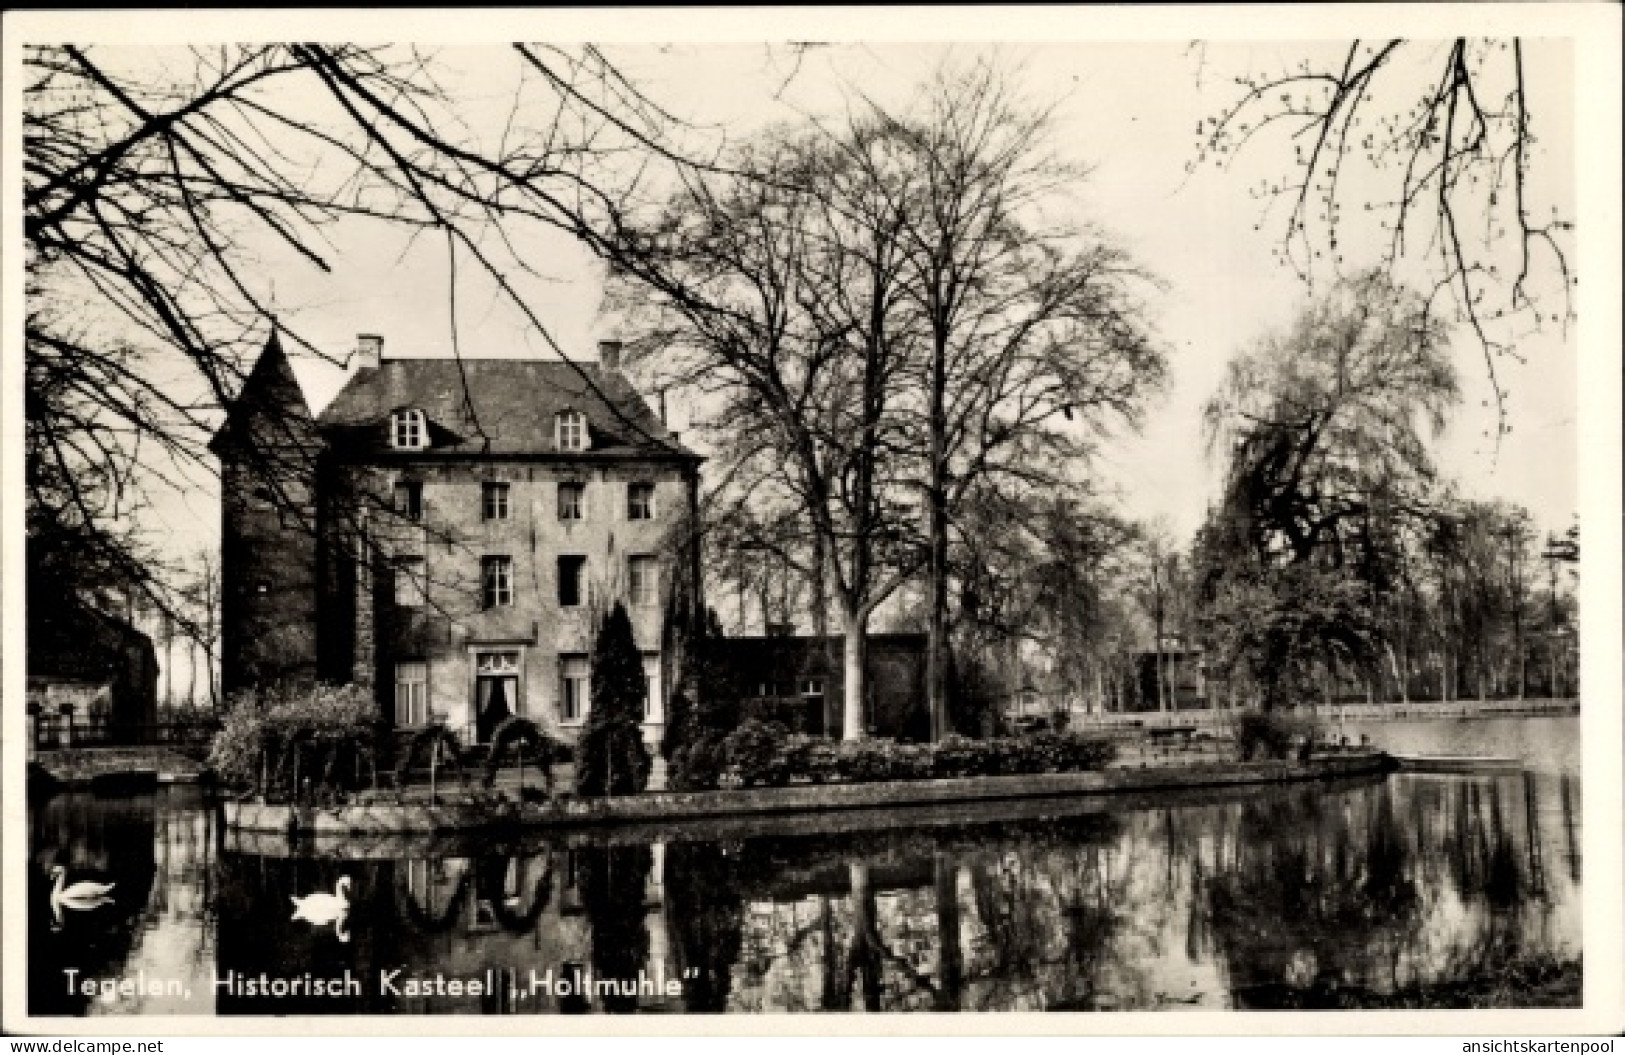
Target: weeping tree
<point>1325,429</point>
<point>610,757</point>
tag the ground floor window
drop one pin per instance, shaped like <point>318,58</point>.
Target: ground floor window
<point>496,691</point>
<point>412,693</point>
<point>572,688</point>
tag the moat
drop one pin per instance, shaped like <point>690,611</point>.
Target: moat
<point>1399,890</point>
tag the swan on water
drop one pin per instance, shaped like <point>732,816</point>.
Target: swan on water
<point>80,897</point>
<point>322,909</point>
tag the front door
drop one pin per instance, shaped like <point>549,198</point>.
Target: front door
<point>496,692</point>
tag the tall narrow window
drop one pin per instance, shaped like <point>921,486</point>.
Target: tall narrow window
<point>643,575</point>
<point>640,501</point>
<point>572,430</point>
<point>410,588</point>
<point>572,689</point>
<point>572,501</point>
<point>572,581</point>
<point>496,575</point>
<point>409,499</point>
<point>412,693</point>
<point>494,501</point>
<point>408,431</point>
<point>652,709</point>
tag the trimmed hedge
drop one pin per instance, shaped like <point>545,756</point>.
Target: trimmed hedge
<point>765,754</point>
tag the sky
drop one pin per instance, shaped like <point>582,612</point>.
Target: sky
<point>1129,111</point>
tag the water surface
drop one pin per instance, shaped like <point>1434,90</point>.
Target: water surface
<point>1340,894</point>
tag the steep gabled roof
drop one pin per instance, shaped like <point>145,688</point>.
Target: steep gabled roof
<point>497,406</point>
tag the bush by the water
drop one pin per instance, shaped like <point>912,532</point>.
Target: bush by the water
<point>276,739</point>
<point>765,754</point>
<point>1270,734</point>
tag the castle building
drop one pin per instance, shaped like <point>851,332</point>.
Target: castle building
<point>450,532</point>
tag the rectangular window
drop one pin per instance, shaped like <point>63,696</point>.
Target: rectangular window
<point>572,582</point>
<point>412,693</point>
<point>494,501</point>
<point>643,575</point>
<point>652,699</point>
<point>572,501</point>
<point>496,575</point>
<point>410,586</point>
<point>409,499</point>
<point>640,501</point>
<point>572,689</point>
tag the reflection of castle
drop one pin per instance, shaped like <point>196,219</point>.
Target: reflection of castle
<point>1372,890</point>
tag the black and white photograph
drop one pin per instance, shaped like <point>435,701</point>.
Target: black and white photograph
<point>644,513</point>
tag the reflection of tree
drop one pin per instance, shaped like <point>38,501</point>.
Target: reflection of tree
<point>613,881</point>
<point>1314,895</point>
<point>703,912</point>
<point>1322,903</point>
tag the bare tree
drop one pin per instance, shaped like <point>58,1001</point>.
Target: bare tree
<point>1031,321</point>
<point>1428,147</point>
<point>776,298</point>
<point>163,187</point>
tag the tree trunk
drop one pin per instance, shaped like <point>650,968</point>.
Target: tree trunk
<point>936,662</point>
<point>952,974</point>
<point>854,724</point>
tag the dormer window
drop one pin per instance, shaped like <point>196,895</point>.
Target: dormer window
<point>408,431</point>
<point>571,430</point>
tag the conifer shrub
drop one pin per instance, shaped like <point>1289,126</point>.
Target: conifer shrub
<point>610,756</point>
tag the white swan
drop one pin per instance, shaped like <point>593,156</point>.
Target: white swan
<point>80,897</point>
<point>322,909</point>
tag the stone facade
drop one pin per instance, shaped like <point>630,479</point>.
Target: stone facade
<point>462,549</point>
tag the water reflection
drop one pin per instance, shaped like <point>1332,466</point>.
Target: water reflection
<point>1394,890</point>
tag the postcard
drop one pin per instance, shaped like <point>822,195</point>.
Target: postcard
<point>808,520</point>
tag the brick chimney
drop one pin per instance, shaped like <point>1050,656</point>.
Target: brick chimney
<point>369,351</point>
<point>609,355</point>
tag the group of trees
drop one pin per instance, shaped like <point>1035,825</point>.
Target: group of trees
<point>1337,555</point>
<point>905,344</point>
<point>894,334</point>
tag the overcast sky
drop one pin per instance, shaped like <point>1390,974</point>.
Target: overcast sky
<point>1128,110</point>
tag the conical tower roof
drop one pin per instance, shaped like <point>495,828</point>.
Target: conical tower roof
<point>270,395</point>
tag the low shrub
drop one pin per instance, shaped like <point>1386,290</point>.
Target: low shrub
<point>754,752</point>
<point>276,739</point>
<point>1269,734</point>
<point>812,758</point>
<point>763,754</point>
<point>958,756</point>
<point>699,764</point>
<point>791,713</point>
